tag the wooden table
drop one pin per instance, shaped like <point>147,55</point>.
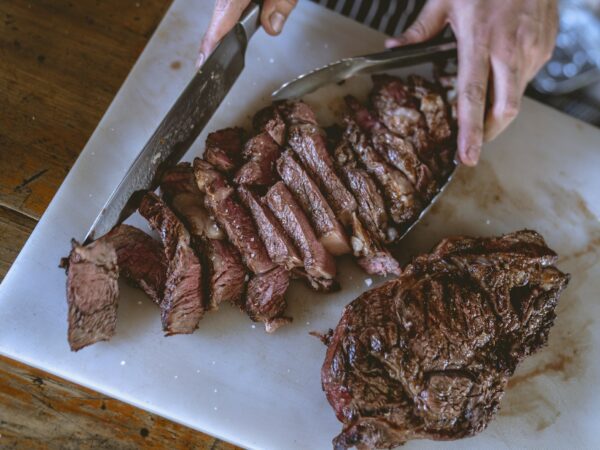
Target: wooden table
<point>61,63</point>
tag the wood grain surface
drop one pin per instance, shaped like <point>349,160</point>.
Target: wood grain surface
<point>61,64</point>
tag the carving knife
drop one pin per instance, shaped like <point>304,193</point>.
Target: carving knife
<point>375,62</point>
<point>182,124</point>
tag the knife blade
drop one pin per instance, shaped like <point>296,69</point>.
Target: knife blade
<point>348,67</point>
<point>181,126</point>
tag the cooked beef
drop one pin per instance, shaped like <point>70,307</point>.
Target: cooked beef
<point>433,107</point>
<point>224,149</point>
<point>269,119</point>
<point>308,142</point>
<point>182,305</point>
<point>395,106</point>
<point>224,271</point>
<point>261,152</point>
<point>429,354</point>
<point>371,255</point>
<point>318,262</point>
<point>448,83</point>
<point>402,200</point>
<point>297,113</point>
<point>279,246</point>
<point>329,230</point>
<point>233,218</point>
<point>265,300</point>
<point>140,258</point>
<point>180,191</point>
<point>371,207</point>
<point>92,293</point>
<point>225,274</point>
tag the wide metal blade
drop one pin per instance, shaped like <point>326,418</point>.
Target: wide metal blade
<point>349,67</point>
<point>181,126</point>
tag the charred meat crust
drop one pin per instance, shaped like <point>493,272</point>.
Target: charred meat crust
<point>265,301</point>
<point>260,152</point>
<point>182,305</point>
<point>224,149</point>
<point>428,355</point>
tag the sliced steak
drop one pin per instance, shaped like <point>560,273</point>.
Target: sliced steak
<point>180,191</point>
<point>433,107</point>
<point>260,152</point>
<point>318,262</point>
<point>372,256</point>
<point>92,293</point>
<point>224,149</point>
<point>402,200</point>
<point>224,271</point>
<point>329,231</point>
<point>297,113</point>
<point>429,354</point>
<point>269,119</point>
<point>140,258</point>
<point>308,142</point>
<point>182,305</point>
<point>226,274</point>
<point>279,246</point>
<point>233,218</point>
<point>265,300</point>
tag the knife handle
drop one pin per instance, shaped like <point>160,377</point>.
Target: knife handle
<point>250,20</point>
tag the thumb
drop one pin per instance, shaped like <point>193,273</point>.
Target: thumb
<point>274,13</point>
<point>224,17</point>
<point>428,24</point>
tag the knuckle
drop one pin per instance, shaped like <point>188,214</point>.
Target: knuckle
<point>511,108</point>
<point>475,92</point>
<point>418,29</point>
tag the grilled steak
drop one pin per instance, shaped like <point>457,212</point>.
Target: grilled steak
<point>92,293</point>
<point>279,246</point>
<point>224,271</point>
<point>429,354</point>
<point>372,256</point>
<point>432,106</point>
<point>224,149</point>
<point>269,119</point>
<point>140,258</point>
<point>318,262</point>
<point>182,305</point>
<point>305,191</point>
<point>232,217</point>
<point>265,300</point>
<point>261,152</point>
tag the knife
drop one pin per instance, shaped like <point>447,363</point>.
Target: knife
<point>375,62</point>
<point>182,124</point>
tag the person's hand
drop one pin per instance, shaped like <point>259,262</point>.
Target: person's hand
<point>273,15</point>
<point>501,46</point>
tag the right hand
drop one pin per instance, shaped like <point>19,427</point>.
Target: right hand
<point>226,14</point>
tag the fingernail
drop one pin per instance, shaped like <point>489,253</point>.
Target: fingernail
<point>200,60</point>
<point>472,155</point>
<point>396,42</point>
<point>277,20</point>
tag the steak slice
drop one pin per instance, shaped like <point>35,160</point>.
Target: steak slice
<point>261,152</point>
<point>433,107</point>
<point>92,293</point>
<point>225,274</point>
<point>308,142</point>
<point>232,217</point>
<point>428,355</point>
<point>180,191</point>
<point>318,262</point>
<point>305,191</point>
<point>265,300</point>
<point>279,246</point>
<point>403,202</point>
<point>269,120</point>
<point>140,258</point>
<point>372,256</point>
<point>182,305</point>
<point>224,149</point>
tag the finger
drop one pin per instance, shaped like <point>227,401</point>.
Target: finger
<point>507,92</point>
<point>473,71</point>
<point>274,13</point>
<point>224,17</point>
<point>427,25</point>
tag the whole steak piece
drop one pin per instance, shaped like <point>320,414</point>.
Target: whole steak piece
<point>428,355</point>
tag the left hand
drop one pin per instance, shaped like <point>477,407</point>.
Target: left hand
<point>501,46</point>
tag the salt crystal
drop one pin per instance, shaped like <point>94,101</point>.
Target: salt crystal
<point>215,408</point>
<point>215,391</point>
<point>253,326</point>
<point>326,45</point>
<point>198,370</point>
<point>368,281</point>
<point>307,323</point>
<point>139,302</point>
<point>122,363</point>
<point>271,60</point>
<point>214,362</point>
<point>32,117</point>
<point>175,377</point>
<point>90,195</point>
<point>487,222</point>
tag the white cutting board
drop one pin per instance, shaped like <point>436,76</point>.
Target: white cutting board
<point>232,380</point>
